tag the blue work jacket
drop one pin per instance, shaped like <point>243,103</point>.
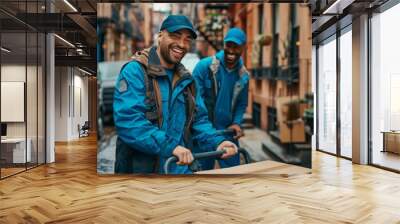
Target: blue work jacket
<point>232,90</point>
<point>147,139</point>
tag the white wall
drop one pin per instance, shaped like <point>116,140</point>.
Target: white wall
<point>71,93</point>
<point>12,101</point>
<point>314,90</point>
<point>346,76</point>
<point>14,73</point>
<point>61,103</point>
<point>17,73</point>
<point>33,126</point>
<point>50,93</point>
<point>360,90</point>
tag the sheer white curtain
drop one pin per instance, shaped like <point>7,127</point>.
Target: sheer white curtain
<point>346,94</point>
<point>327,96</point>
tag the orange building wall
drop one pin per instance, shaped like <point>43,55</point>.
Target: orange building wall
<point>265,91</point>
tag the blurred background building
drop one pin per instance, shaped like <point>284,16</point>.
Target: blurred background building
<point>280,99</point>
<point>123,29</point>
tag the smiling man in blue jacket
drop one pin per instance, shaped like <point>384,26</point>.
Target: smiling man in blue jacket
<point>157,110</point>
<point>223,83</point>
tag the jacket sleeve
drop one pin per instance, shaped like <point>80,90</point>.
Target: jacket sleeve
<point>241,105</point>
<point>202,130</point>
<point>129,115</point>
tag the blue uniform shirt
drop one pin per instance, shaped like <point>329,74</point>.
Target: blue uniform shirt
<point>170,74</point>
<point>224,114</point>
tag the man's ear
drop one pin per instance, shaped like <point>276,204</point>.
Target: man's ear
<point>161,34</point>
<point>158,39</point>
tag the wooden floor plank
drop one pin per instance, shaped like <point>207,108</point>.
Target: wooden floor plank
<point>70,191</point>
<point>261,168</point>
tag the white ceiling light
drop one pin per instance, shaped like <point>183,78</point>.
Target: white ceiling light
<point>70,5</point>
<point>65,41</point>
<point>5,50</point>
<point>337,7</point>
<point>86,72</point>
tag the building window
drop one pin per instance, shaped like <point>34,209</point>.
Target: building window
<point>346,94</point>
<point>327,96</point>
<point>275,39</point>
<point>275,18</point>
<point>261,30</point>
<point>293,14</point>
<point>385,89</point>
<point>294,36</point>
<point>261,18</point>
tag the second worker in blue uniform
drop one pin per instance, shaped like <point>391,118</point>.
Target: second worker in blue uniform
<point>223,83</point>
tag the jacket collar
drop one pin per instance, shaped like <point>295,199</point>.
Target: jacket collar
<point>154,65</point>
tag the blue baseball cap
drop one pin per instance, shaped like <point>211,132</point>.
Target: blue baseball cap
<point>235,35</point>
<point>174,23</point>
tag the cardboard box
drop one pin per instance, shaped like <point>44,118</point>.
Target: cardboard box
<point>282,109</point>
<point>392,142</point>
<point>292,132</point>
<point>302,108</point>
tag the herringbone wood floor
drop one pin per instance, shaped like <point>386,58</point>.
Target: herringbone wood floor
<point>70,191</point>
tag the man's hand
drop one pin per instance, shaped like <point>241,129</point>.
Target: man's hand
<point>238,131</point>
<point>184,155</point>
<point>230,148</point>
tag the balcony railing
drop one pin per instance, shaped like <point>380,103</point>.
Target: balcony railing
<point>256,114</point>
<point>272,119</point>
<point>290,74</point>
<point>263,73</point>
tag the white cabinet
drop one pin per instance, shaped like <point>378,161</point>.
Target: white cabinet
<point>17,147</point>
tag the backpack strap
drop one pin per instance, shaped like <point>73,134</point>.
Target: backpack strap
<point>153,100</point>
<point>212,76</point>
<point>154,106</point>
<point>239,85</point>
<point>243,71</point>
<point>190,98</point>
<point>214,66</point>
<point>153,94</point>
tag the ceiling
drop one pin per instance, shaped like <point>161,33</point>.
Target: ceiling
<point>328,16</point>
<point>72,20</point>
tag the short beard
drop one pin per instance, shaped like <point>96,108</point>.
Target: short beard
<point>236,60</point>
<point>164,51</point>
<point>165,54</point>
